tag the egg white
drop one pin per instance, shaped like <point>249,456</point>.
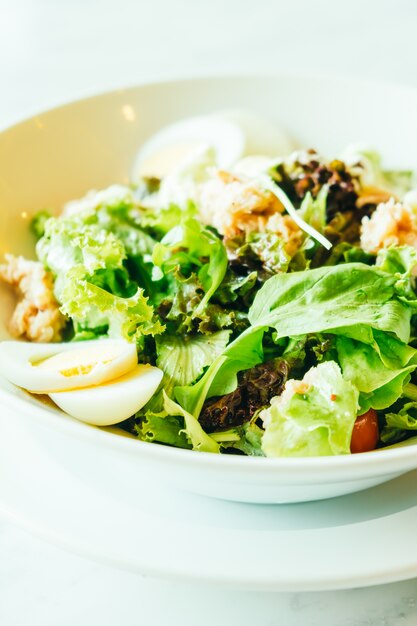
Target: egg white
<point>233,134</point>
<point>177,143</point>
<point>42,368</point>
<point>114,401</point>
<point>262,135</point>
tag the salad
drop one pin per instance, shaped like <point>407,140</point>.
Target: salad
<point>254,305</point>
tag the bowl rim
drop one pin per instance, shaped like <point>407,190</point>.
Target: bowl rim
<point>215,76</point>
<point>56,420</point>
<point>405,455</point>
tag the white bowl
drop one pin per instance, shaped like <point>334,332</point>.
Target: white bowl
<point>59,155</point>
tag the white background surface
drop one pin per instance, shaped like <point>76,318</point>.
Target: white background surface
<point>57,50</point>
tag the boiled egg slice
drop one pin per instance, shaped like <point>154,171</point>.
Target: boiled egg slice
<point>114,401</point>
<point>176,143</point>
<point>262,135</point>
<point>232,134</point>
<point>44,368</point>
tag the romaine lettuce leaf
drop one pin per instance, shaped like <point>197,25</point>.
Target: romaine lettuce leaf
<point>183,358</point>
<point>193,431</point>
<point>378,371</point>
<point>351,300</point>
<point>313,210</point>
<point>250,439</point>
<point>398,425</point>
<point>329,298</point>
<point>221,377</point>
<point>313,417</point>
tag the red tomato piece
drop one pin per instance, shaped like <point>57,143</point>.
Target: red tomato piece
<point>365,432</point>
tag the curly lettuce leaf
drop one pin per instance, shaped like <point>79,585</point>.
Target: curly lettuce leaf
<point>162,428</point>
<point>179,310</point>
<point>263,251</point>
<point>159,221</point>
<point>234,287</point>
<point>38,223</point>
<point>69,242</point>
<point>314,419</point>
<point>94,308</point>
<point>190,247</point>
<point>400,261</point>
<point>256,386</point>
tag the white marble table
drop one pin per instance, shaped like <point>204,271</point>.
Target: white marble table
<point>52,51</point>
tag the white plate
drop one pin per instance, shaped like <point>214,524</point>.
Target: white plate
<point>357,540</point>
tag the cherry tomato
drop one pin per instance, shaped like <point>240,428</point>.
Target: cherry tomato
<point>365,432</point>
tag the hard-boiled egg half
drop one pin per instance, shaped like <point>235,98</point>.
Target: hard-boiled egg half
<point>233,134</point>
<point>98,382</point>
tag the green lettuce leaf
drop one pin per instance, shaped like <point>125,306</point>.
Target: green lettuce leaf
<point>378,371</point>
<point>190,247</point>
<point>398,425</point>
<point>234,287</point>
<point>345,252</point>
<point>183,358</point>
<point>372,174</point>
<point>221,377</point>
<point>330,298</point>
<point>159,221</point>
<point>94,308</point>
<point>246,438</point>
<point>313,210</point>
<point>38,223</point>
<point>400,261</point>
<point>69,242</point>
<point>162,428</point>
<point>180,310</point>
<point>263,251</point>
<point>193,431</point>
<point>316,422</point>
<point>251,440</point>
